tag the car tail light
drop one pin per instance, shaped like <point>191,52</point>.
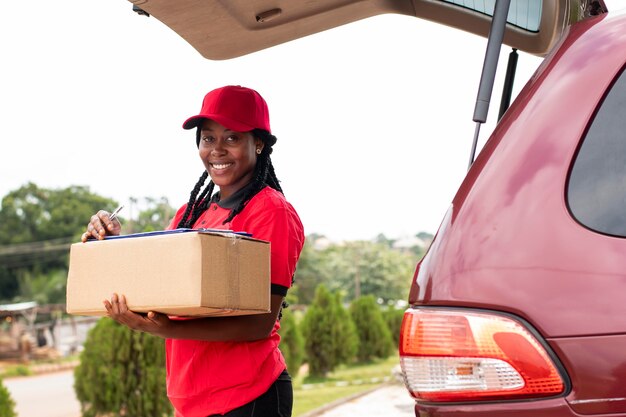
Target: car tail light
<point>456,355</point>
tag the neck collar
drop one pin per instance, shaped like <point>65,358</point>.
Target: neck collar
<point>234,200</point>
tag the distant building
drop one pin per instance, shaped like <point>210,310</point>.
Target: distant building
<point>408,242</point>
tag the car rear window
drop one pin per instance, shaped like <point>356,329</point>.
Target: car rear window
<point>525,14</point>
<point>596,191</point>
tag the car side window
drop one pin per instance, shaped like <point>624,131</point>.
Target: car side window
<point>596,191</point>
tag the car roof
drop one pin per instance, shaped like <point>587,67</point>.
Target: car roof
<point>224,29</point>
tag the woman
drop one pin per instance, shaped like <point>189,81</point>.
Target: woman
<point>227,365</point>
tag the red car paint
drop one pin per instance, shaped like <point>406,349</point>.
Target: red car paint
<point>510,244</point>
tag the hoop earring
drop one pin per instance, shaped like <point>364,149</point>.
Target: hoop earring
<point>258,151</point>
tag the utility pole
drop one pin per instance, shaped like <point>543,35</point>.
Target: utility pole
<point>357,273</point>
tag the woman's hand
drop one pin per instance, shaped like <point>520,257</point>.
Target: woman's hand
<point>154,323</point>
<point>100,225</point>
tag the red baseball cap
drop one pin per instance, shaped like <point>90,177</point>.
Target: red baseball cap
<point>235,107</point>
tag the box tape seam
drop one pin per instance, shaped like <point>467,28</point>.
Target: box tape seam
<point>233,298</point>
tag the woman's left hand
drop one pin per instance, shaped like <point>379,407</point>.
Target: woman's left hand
<point>154,323</point>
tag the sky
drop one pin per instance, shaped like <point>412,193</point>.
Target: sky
<point>373,119</point>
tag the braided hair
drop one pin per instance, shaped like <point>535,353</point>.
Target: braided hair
<point>263,175</point>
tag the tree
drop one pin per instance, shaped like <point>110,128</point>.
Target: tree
<point>292,343</point>
<point>356,267</point>
<point>425,236</point>
<point>37,226</point>
<point>44,288</point>
<point>393,317</point>
<point>362,268</point>
<point>374,337</point>
<point>7,405</point>
<point>329,338</point>
<point>346,337</point>
<point>33,214</point>
<point>121,373</point>
<point>384,240</point>
<point>155,216</point>
<point>317,328</point>
<point>310,272</point>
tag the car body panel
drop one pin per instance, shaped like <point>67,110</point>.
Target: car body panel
<point>498,203</point>
<point>509,243</point>
<point>596,366</point>
<point>555,407</point>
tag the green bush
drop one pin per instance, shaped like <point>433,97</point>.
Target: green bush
<point>374,336</point>
<point>7,405</point>
<point>16,370</point>
<point>393,317</point>
<point>121,373</point>
<point>291,343</point>
<point>346,337</point>
<point>329,336</point>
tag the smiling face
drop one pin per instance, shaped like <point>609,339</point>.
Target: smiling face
<point>228,156</point>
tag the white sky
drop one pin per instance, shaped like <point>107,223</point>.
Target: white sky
<point>373,119</point>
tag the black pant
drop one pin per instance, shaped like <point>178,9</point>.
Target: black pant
<point>276,402</point>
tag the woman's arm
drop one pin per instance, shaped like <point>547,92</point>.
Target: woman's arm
<point>232,329</point>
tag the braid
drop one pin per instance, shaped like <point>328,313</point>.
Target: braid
<point>196,203</point>
<point>202,202</point>
<point>271,180</point>
<point>263,172</point>
<point>283,306</point>
<point>192,200</point>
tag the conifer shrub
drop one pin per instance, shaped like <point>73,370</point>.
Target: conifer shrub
<point>121,373</point>
<point>329,334</point>
<point>291,343</point>
<point>393,317</point>
<point>346,337</point>
<point>7,405</point>
<point>374,336</point>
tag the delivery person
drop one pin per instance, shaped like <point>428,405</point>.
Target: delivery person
<point>227,365</point>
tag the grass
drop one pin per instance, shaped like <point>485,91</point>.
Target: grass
<point>312,393</point>
<point>11,369</point>
<point>15,370</point>
<point>308,400</point>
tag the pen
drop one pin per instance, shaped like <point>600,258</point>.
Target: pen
<point>114,214</point>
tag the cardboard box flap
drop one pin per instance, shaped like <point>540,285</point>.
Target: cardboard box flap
<point>222,232</point>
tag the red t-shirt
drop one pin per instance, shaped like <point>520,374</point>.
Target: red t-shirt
<point>205,378</point>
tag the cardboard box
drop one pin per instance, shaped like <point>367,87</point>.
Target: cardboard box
<point>180,272</point>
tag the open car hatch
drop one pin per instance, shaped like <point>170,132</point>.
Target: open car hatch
<point>224,29</point>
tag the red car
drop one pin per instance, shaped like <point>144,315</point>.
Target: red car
<point>519,306</point>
